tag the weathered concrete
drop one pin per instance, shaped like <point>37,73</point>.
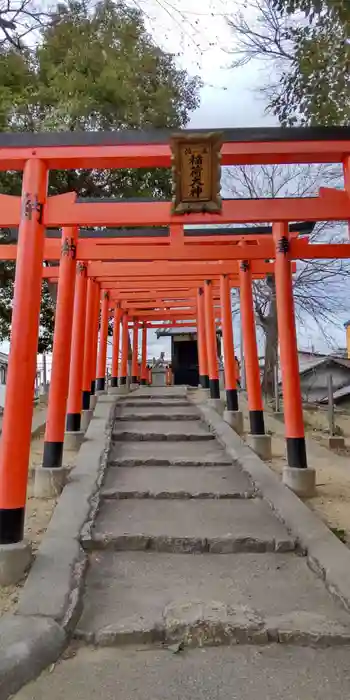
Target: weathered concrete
<point>142,596</point>
<point>326,555</point>
<point>169,393</point>
<point>161,431</point>
<point>190,526</point>
<point>301,481</point>
<point>235,420</point>
<point>166,453</point>
<point>271,672</point>
<point>27,646</point>
<point>155,595</point>
<point>178,482</point>
<point>50,600</point>
<point>261,445</point>
<point>48,483</point>
<point>151,403</point>
<point>155,413</point>
<point>93,400</point>
<point>72,441</point>
<point>217,405</point>
<point>336,442</point>
<point>15,559</point>
<point>117,390</point>
<point>38,422</point>
<point>54,581</point>
<point>53,586</point>
<point>86,417</point>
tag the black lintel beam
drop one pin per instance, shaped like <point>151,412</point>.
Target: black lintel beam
<point>162,136</point>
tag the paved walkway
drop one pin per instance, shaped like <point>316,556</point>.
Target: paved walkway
<point>185,553</point>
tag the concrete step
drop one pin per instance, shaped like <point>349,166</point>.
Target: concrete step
<point>135,414</point>
<point>152,412</point>
<point>162,431</point>
<point>166,453</point>
<point>142,597</point>
<point>176,482</point>
<point>151,403</point>
<point>159,392</point>
<point>189,526</point>
<point>246,672</point>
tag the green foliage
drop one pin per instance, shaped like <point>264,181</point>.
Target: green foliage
<point>94,68</point>
<point>315,89</point>
<point>321,10</point>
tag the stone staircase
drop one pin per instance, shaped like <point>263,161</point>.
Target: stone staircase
<point>184,550</point>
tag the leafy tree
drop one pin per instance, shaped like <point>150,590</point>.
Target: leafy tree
<point>306,46</point>
<point>94,68</point>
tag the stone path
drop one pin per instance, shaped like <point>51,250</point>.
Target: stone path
<point>185,552</point>
<point>183,549</point>
<point>276,672</point>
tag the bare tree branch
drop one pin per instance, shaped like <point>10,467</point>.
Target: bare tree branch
<point>18,19</point>
<point>320,286</point>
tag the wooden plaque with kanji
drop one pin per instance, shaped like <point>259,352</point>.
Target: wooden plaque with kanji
<point>196,173</point>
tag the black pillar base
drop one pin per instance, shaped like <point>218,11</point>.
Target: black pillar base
<point>53,454</point>
<point>122,381</point>
<point>134,380</point>
<point>214,388</point>
<point>73,422</point>
<point>11,525</point>
<point>232,399</point>
<point>93,387</point>
<point>100,384</point>
<point>114,382</point>
<point>257,425</point>
<point>143,382</point>
<point>204,381</point>
<point>86,400</point>
<point>296,453</point>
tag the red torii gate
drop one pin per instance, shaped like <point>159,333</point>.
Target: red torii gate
<point>187,279</point>
<point>36,154</point>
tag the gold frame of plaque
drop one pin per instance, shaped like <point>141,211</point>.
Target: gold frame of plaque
<point>196,172</point>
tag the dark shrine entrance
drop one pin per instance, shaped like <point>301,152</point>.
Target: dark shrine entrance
<point>185,359</point>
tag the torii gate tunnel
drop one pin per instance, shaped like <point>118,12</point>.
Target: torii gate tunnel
<point>147,269</point>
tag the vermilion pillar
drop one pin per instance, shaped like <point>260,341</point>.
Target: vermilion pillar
<point>56,413</point>
<point>135,349</point>
<point>293,412</point>
<point>116,343</point>
<point>210,334</point>
<point>102,354</point>
<point>251,358</point>
<point>17,423</point>
<point>125,350</point>
<point>201,341</point>
<point>227,336</point>
<point>89,343</point>
<point>96,329</point>
<point>144,354</point>
<point>74,404</point>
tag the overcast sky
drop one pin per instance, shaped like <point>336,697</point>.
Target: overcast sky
<point>229,98</point>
